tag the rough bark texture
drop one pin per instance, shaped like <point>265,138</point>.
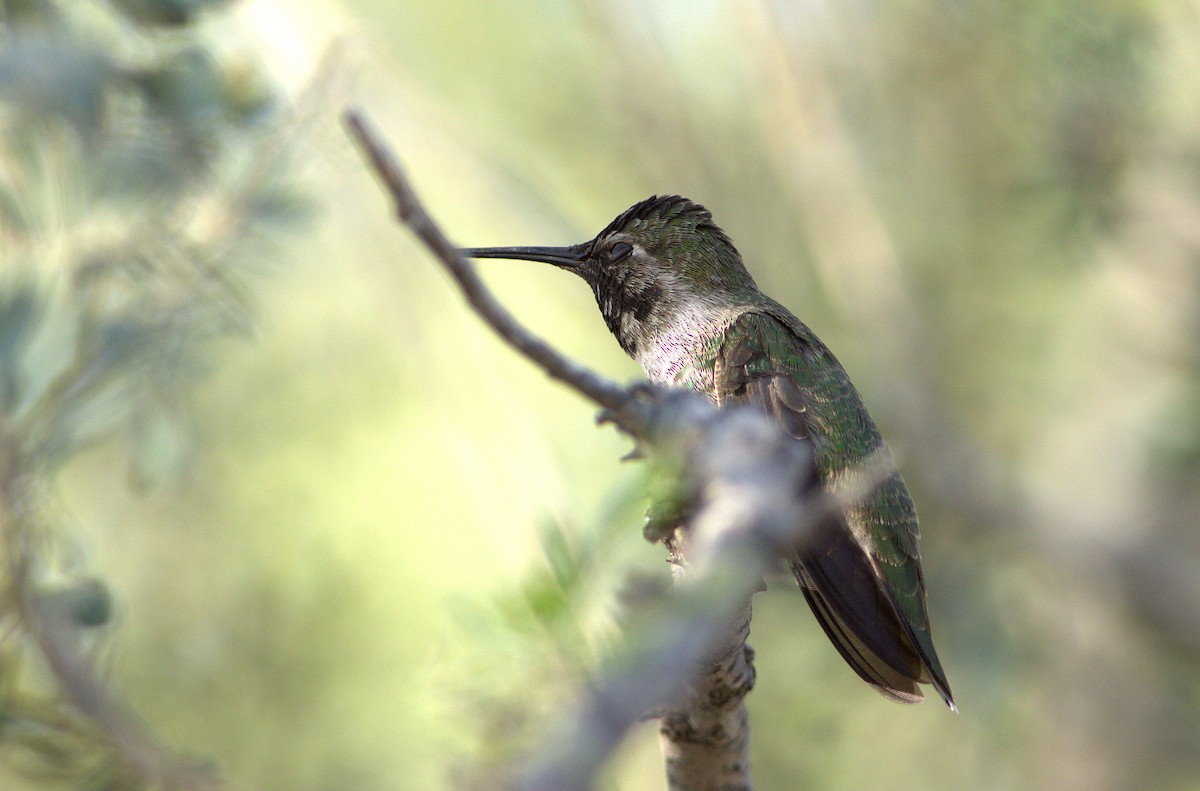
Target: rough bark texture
<point>706,741</point>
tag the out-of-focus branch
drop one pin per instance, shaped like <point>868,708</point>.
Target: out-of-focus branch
<point>57,641</point>
<point>695,668</point>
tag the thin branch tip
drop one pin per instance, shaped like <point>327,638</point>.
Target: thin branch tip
<point>412,213</point>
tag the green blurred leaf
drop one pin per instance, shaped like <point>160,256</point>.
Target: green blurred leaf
<point>188,89</point>
<point>561,554</point>
<point>19,313</point>
<point>278,206</point>
<point>52,76</point>
<point>85,603</point>
<point>169,13</point>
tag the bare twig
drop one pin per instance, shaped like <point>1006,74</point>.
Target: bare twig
<point>410,211</point>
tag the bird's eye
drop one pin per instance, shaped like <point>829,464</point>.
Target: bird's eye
<point>618,251</point>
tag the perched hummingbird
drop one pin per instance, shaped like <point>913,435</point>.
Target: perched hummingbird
<point>673,290</point>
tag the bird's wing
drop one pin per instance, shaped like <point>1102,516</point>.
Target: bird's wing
<point>765,363</point>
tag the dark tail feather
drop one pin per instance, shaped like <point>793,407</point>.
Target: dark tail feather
<point>842,591</point>
<point>869,667</point>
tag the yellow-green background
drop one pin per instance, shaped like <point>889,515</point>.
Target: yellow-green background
<point>990,211</point>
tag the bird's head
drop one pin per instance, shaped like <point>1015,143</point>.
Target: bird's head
<point>657,263</point>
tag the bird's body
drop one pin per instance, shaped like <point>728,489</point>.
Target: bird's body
<point>674,292</point>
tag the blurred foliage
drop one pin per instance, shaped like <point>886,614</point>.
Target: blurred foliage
<point>988,211</point>
<point>143,179</point>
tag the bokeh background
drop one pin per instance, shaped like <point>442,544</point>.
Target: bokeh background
<point>363,545</point>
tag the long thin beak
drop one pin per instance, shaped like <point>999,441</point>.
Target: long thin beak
<point>565,257</point>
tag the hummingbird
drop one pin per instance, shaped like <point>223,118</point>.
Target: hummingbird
<point>673,290</point>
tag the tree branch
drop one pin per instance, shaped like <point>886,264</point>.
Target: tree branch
<point>747,509</point>
<point>412,213</point>
<point>57,641</point>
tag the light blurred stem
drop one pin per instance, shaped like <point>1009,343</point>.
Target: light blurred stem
<point>56,641</point>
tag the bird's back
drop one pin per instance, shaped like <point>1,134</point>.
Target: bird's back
<point>860,571</point>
